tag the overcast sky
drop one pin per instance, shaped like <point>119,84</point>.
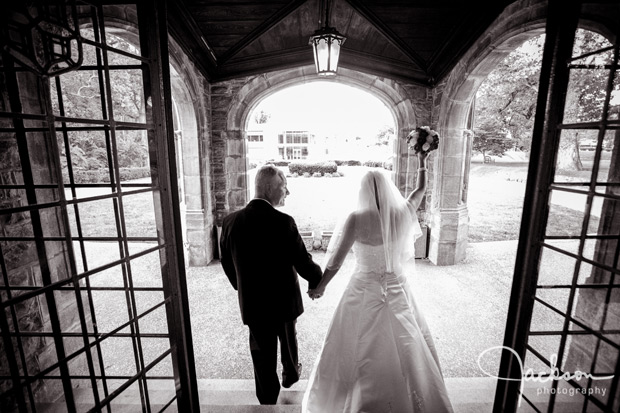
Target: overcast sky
<point>327,107</point>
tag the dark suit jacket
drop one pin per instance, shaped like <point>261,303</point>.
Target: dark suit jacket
<point>262,253</point>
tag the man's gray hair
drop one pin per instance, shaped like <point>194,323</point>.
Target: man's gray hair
<point>264,176</point>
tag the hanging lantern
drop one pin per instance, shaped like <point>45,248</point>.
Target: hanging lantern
<point>326,44</point>
<point>44,37</point>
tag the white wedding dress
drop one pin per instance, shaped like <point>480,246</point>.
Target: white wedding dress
<point>378,355</point>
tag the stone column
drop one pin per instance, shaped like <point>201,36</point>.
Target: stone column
<point>449,215</point>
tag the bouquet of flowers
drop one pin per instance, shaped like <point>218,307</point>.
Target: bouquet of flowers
<point>423,139</point>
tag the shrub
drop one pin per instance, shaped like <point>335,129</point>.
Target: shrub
<point>374,164</point>
<point>307,175</point>
<point>339,163</point>
<point>353,163</point>
<point>328,175</point>
<point>389,165</point>
<point>317,174</point>
<point>295,175</point>
<point>311,168</point>
<point>103,175</point>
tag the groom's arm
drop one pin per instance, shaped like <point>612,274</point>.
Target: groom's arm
<point>302,260</point>
<point>226,257</point>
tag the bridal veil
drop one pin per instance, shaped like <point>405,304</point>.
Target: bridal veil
<point>397,223</point>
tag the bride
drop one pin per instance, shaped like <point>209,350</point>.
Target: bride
<point>378,355</point>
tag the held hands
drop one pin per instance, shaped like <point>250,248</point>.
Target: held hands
<point>316,293</point>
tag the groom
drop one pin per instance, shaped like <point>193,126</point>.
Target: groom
<point>262,252</point>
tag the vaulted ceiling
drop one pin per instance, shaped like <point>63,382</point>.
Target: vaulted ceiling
<point>413,40</point>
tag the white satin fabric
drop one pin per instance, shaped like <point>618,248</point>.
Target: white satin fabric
<point>378,355</point>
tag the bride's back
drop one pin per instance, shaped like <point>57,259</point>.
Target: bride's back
<point>368,227</point>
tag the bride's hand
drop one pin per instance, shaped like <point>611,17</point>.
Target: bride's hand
<point>316,293</point>
<point>422,156</point>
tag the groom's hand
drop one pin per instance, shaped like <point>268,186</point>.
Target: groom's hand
<point>316,293</point>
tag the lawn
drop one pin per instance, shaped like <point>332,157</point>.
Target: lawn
<point>494,200</point>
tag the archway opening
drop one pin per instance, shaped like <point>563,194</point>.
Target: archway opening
<point>503,118</point>
<point>337,131</point>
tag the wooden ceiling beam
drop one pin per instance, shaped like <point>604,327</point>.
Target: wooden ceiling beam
<point>388,33</point>
<point>189,36</point>
<point>462,37</point>
<point>302,56</point>
<point>261,29</point>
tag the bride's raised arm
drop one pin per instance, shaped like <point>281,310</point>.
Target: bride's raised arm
<point>415,197</point>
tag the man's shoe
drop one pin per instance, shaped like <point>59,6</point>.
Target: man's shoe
<point>286,382</point>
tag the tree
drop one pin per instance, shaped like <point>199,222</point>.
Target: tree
<point>81,98</point>
<point>506,101</point>
<point>385,135</point>
<point>491,144</point>
<point>262,117</point>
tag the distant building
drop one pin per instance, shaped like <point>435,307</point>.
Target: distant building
<point>282,145</point>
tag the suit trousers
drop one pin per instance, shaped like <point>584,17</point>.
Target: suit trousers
<point>264,349</point>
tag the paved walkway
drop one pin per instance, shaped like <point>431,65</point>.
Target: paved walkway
<point>465,306</point>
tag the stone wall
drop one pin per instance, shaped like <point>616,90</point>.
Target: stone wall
<point>232,102</point>
<point>229,160</point>
<point>22,257</point>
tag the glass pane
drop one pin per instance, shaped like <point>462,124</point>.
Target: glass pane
<point>537,393</point>
<point>589,306</point>
<point>97,254</point>
<point>81,94</point>
<point>97,218</point>
<point>585,95</point>
<point>153,348</point>
<point>544,319</point>
<point>609,142</point>
<point>555,268</point>
<point>112,277</point>
<point>614,99</point>
<point>139,246</point>
<point>110,309</point>
<point>127,93</point>
<point>557,297</point>
<point>160,394</point>
<point>575,155</point>
<point>547,345</point>
<point>154,322</point>
<point>592,274</point>
<point>566,213</point>
<point>163,368</point>
<point>129,400</point>
<point>607,356</point>
<point>569,398</point>
<point>140,215</point>
<point>601,251</point>
<point>118,356</point>
<point>89,160</point>
<point>145,300</point>
<point>146,270</point>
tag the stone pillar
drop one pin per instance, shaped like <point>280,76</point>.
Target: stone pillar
<point>449,215</point>
<point>236,166</point>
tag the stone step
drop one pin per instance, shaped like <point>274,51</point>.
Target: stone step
<point>468,395</point>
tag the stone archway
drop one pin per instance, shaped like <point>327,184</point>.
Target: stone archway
<point>449,214</point>
<point>192,142</point>
<point>233,102</point>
